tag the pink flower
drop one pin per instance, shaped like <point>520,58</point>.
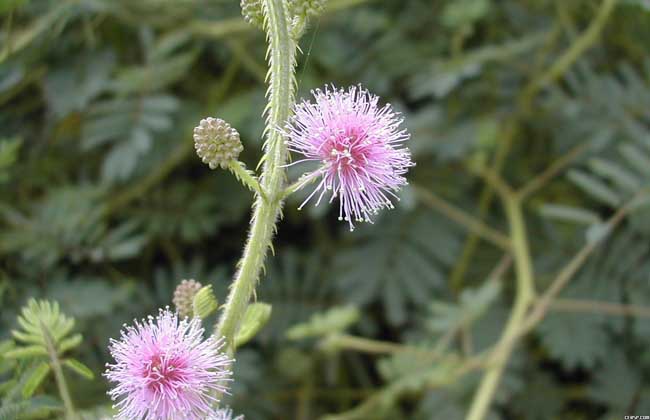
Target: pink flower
<point>359,146</point>
<point>165,370</point>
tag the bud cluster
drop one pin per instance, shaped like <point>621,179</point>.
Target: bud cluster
<point>184,296</point>
<point>308,8</point>
<point>216,142</point>
<point>252,12</point>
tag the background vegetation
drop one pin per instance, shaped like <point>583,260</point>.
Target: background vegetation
<point>104,207</point>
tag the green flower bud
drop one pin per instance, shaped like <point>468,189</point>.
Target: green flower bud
<point>307,8</point>
<point>216,142</point>
<point>252,12</point>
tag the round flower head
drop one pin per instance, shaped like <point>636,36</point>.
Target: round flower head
<point>165,370</point>
<point>224,414</point>
<point>359,145</point>
<point>216,142</point>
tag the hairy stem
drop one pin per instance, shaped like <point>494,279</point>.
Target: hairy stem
<point>247,178</point>
<point>281,56</point>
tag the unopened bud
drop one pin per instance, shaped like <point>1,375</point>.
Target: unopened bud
<point>308,8</point>
<point>216,142</point>
<point>184,296</point>
<point>252,12</point>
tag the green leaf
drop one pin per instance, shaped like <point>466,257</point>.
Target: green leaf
<point>334,320</point>
<point>8,5</point>
<point>35,379</point>
<point>569,214</point>
<point>79,368</point>
<point>41,318</point>
<point>205,303</point>
<point>26,352</point>
<point>472,305</point>
<point>620,176</point>
<point>594,187</point>
<point>577,340</point>
<point>400,261</point>
<point>9,149</point>
<point>616,384</point>
<point>256,316</point>
<point>459,13</point>
<point>70,343</point>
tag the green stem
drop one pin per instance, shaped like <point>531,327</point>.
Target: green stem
<point>302,182</point>
<point>524,103</point>
<point>58,375</point>
<point>282,56</point>
<point>464,219</point>
<point>586,40</point>
<point>366,345</point>
<point>525,294</point>
<point>247,178</point>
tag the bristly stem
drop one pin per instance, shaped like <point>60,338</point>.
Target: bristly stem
<point>282,58</point>
<point>303,181</point>
<point>247,178</point>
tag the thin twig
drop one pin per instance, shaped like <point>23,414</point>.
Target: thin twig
<point>464,219</point>
<point>567,273</point>
<point>494,180</point>
<point>585,41</point>
<point>61,383</point>
<point>552,171</point>
<point>609,308</point>
<point>367,345</point>
<point>511,127</point>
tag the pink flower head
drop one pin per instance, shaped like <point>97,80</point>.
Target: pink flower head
<point>165,370</point>
<point>359,145</point>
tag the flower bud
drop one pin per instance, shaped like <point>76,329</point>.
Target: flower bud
<point>252,12</point>
<point>216,142</point>
<point>184,296</point>
<point>307,8</point>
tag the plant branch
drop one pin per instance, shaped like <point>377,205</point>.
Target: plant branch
<point>281,56</point>
<point>566,274</point>
<point>247,178</point>
<point>58,375</point>
<point>525,293</point>
<point>511,127</point>
<point>585,41</point>
<point>366,345</point>
<point>303,181</point>
<point>494,180</point>
<point>464,219</point>
<point>608,308</point>
<point>552,171</point>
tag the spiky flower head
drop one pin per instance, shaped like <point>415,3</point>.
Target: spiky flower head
<point>224,414</point>
<point>184,296</point>
<point>359,146</point>
<point>165,370</point>
<point>216,142</point>
<point>307,7</point>
<point>252,12</point>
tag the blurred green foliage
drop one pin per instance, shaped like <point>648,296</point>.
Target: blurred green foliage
<point>104,208</point>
